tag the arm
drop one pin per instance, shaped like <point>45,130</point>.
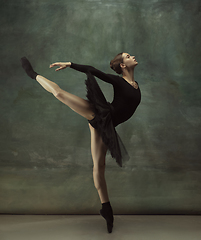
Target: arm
<point>109,78</point>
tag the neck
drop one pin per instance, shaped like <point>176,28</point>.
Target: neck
<point>128,75</point>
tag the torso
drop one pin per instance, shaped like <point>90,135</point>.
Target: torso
<point>126,99</point>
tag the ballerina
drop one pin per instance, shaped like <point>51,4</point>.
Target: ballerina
<point>102,116</point>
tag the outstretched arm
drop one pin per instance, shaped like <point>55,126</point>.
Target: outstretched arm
<point>109,78</point>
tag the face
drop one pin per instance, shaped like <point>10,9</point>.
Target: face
<point>129,60</point>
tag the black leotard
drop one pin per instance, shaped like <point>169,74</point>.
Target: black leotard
<point>126,97</point>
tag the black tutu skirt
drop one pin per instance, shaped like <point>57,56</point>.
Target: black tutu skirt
<point>102,121</point>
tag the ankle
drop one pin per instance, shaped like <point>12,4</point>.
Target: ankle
<point>106,205</point>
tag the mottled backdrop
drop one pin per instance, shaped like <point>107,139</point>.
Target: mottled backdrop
<point>45,160</point>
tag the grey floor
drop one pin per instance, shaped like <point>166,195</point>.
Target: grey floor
<point>127,227</point>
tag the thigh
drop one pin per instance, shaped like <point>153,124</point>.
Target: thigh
<point>77,104</point>
<point>98,148</point>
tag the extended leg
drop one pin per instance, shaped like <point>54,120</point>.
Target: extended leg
<point>77,104</point>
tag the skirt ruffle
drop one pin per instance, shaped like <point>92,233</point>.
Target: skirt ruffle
<point>102,121</point>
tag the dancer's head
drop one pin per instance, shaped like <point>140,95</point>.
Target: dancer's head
<point>123,61</point>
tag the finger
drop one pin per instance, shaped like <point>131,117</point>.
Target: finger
<point>54,64</point>
<point>59,69</point>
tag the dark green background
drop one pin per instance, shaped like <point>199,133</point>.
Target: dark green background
<point>45,161</point>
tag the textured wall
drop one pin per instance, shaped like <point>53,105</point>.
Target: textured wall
<point>45,161</point>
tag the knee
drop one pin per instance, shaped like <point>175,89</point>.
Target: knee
<point>99,176</point>
<point>57,92</point>
<point>99,168</point>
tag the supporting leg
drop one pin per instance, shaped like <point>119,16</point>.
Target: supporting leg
<point>98,150</point>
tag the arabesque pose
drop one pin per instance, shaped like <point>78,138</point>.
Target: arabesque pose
<point>102,116</point>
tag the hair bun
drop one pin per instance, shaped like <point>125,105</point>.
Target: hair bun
<point>115,63</point>
<point>111,65</point>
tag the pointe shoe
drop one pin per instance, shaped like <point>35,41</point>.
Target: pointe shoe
<point>109,219</point>
<point>28,68</point>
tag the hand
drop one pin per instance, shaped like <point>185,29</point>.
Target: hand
<point>62,65</point>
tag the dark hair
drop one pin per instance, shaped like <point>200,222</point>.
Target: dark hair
<point>115,63</point>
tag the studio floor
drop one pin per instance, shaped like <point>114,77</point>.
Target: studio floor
<point>88,227</point>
